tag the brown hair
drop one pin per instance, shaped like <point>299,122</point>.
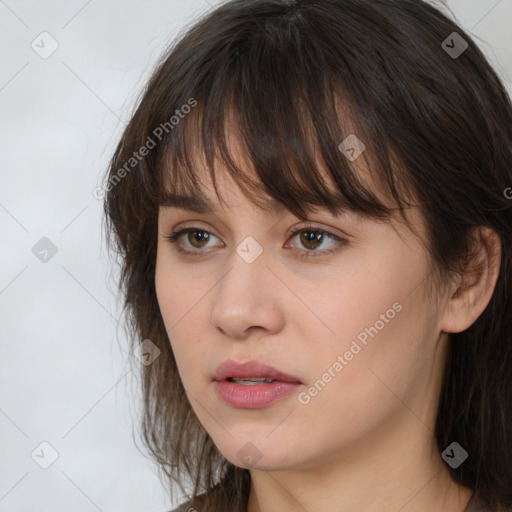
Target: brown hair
<point>296,77</point>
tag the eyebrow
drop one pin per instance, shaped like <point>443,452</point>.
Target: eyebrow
<point>202,205</point>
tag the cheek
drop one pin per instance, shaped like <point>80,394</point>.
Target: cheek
<point>179,304</point>
<point>356,307</point>
<point>376,328</point>
<point>178,292</point>
<point>356,386</point>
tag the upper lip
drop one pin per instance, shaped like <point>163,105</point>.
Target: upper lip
<point>248,369</point>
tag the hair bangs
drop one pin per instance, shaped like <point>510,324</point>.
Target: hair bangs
<point>287,148</point>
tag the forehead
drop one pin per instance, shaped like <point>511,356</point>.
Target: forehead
<point>189,183</point>
<point>203,198</point>
<point>204,205</point>
<point>214,175</point>
<point>204,201</point>
<point>197,194</point>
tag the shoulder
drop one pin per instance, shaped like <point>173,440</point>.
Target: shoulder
<point>185,507</point>
<point>180,508</point>
<point>192,505</point>
<point>476,505</point>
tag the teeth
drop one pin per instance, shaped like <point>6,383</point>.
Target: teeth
<point>248,382</point>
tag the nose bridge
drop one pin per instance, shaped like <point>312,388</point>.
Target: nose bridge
<point>247,273</point>
<point>247,293</point>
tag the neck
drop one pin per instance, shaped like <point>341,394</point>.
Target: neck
<point>403,474</point>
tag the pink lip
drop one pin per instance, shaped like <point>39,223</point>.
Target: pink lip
<point>252,396</point>
<point>248,369</point>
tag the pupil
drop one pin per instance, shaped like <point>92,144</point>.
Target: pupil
<point>311,237</point>
<point>198,236</point>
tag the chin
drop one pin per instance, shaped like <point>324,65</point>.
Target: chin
<point>264,455</point>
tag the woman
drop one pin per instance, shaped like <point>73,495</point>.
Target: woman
<point>311,206</point>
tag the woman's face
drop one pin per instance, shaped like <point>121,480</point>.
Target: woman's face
<point>352,326</point>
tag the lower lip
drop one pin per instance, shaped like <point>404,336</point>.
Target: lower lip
<point>254,396</point>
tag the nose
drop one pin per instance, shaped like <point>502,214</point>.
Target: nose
<point>249,298</point>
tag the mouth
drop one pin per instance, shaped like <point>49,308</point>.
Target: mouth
<point>250,381</point>
<point>252,385</point>
<point>251,373</point>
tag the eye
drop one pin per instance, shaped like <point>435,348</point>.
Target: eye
<point>310,237</point>
<point>196,236</point>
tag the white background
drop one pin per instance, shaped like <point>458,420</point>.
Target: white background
<point>64,371</point>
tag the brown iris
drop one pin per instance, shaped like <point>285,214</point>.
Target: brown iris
<point>198,236</point>
<point>311,237</point>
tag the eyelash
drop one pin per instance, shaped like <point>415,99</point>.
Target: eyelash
<point>174,237</point>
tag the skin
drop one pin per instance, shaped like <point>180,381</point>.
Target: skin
<point>366,441</point>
